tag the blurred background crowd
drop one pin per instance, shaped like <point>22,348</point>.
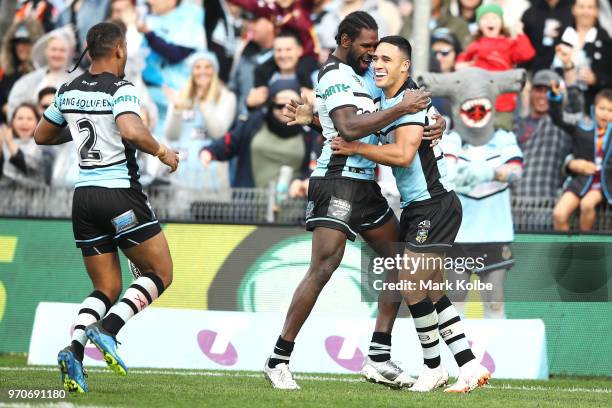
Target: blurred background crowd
<point>215,75</point>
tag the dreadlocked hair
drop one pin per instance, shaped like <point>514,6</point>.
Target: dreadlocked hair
<point>354,23</point>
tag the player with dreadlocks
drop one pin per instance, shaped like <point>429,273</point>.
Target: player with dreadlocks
<point>343,198</point>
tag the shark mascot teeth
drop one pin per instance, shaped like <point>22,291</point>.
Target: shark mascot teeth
<point>482,163</point>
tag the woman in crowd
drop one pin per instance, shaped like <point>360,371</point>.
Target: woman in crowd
<point>24,162</point>
<point>15,55</point>
<point>52,56</point>
<point>591,49</point>
<point>202,111</point>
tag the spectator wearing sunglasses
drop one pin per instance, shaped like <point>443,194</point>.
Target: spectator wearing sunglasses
<point>264,143</point>
<point>46,96</point>
<point>444,50</point>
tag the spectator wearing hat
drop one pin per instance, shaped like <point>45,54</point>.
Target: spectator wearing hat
<point>494,50</point>
<point>264,143</point>
<point>52,57</point>
<point>544,144</point>
<point>544,22</point>
<point>444,50</point>
<point>201,112</point>
<point>15,57</point>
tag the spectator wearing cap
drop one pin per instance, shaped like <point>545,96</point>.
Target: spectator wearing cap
<point>494,50</point>
<point>173,30</point>
<point>256,50</point>
<point>444,51</point>
<point>15,57</point>
<point>52,57</point>
<point>284,64</point>
<point>544,22</point>
<point>264,143</point>
<point>441,17</point>
<point>589,49</point>
<point>545,146</point>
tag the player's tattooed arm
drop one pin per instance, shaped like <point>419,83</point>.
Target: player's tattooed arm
<point>398,154</point>
<point>134,131</point>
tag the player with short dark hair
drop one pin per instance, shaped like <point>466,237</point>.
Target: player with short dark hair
<point>430,219</point>
<point>344,200</point>
<point>109,209</point>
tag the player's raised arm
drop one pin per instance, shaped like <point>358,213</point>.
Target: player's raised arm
<point>352,126</point>
<point>398,154</point>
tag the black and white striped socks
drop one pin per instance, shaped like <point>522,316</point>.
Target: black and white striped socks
<point>92,309</point>
<point>380,347</point>
<point>426,324</point>
<point>141,293</point>
<point>451,331</point>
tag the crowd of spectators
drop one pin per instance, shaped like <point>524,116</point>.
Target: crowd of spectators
<point>214,75</point>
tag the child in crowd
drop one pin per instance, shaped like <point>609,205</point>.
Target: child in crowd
<point>493,49</point>
<point>591,171</point>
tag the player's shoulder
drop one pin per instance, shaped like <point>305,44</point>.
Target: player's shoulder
<point>105,82</point>
<point>330,68</point>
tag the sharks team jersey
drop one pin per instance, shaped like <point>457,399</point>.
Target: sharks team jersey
<point>426,176</point>
<point>488,218</point>
<point>89,105</point>
<point>340,87</point>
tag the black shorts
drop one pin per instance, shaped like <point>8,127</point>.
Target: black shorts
<point>489,255</point>
<point>347,205</point>
<point>431,225</point>
<point>106,218</point>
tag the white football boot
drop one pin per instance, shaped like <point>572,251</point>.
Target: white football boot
<point>471,376</point>
<point>280,377</point>
<point>387,373</point>
<point>430,379</point>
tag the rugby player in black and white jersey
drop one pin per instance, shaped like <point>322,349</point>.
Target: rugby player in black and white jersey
<point>109,210</point>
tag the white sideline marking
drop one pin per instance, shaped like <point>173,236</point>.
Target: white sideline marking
<point>307,377</point>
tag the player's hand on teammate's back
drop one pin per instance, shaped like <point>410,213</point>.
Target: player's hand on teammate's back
<point>415,100</point>
<point>299,113</point>
<point>344,148</point>
<point>435,131</point>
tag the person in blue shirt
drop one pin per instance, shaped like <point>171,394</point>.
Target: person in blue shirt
<point>429,223</point>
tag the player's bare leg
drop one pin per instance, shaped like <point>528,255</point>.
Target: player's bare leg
<point>327,252</point>
<point>105,274</point>
<point>378,366</point>
<point>152,257</point>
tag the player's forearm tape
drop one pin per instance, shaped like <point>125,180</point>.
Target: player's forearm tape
<point>161,152</point>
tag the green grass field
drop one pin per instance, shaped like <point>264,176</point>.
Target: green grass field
<point>189,388</point>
